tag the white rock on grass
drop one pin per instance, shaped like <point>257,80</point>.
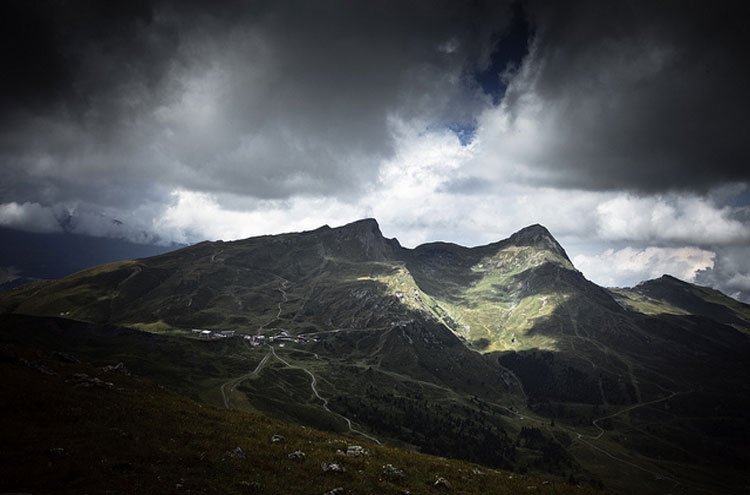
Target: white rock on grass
<point>297,455</point>
<point>332,467</point>
<point>442,483</point>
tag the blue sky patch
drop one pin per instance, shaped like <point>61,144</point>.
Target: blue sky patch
<point>510,49</point>
<point>463,131</point>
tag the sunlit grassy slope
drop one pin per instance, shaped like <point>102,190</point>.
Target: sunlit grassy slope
<point>495,312</point>
<point>668,295</point>
<point>483,294</point>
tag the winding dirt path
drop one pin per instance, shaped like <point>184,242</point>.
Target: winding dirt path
<point>323,399</point>
<point>622,411</point>
<point>234,382</point>
<point>282,288</point>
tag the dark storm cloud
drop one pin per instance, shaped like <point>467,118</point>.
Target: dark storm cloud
<point>63,56</point>
<point>276,99</point>
<point>109,101</point>
<point>645,96</point>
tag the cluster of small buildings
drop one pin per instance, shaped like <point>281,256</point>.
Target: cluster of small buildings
<point>210,334</point>
<point>255,340</point>
<point>282,337</point>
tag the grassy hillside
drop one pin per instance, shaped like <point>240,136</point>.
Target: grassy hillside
<point>501,354</point>
<point>668,295</point>
<point>73,428</point>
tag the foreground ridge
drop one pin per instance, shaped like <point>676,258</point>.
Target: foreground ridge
<point>164,442</point>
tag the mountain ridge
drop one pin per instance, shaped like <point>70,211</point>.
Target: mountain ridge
<point>503,354</point>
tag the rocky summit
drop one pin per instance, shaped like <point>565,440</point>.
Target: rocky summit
<point>504,355</point>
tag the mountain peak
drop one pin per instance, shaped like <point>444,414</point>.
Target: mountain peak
<point>537,235</point>
<point>362,239</point>
<point>365,224</point>
<point>669,278</point>
<point>665,279</point>
<point>365,227</point>
<point>536,230</point>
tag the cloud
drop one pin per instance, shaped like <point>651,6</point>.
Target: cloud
<point>731,272</point>
<point>629,266</point>
<point>415,199</point>
<point>194,216</point>
<point>29,216</point>
<point>740,282</point>
<point>634,96</point>
<point>672,219</point>
<point>403,199</point>
<point>277,100</point>
<point>268,100</point>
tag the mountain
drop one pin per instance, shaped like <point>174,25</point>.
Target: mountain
<point>501,354</point>
<point>29,256</point>
<point>670,295</point>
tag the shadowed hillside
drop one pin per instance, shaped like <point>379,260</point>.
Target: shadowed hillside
<point>72,427</point>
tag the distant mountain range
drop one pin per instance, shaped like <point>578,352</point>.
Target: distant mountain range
<point>501,354</point>
<point>29,256</point>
